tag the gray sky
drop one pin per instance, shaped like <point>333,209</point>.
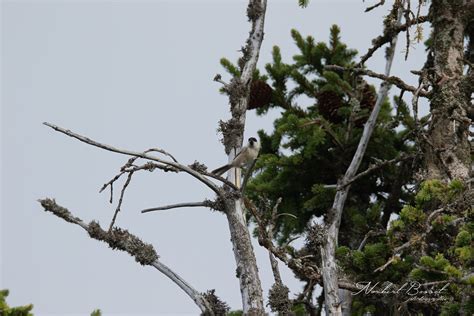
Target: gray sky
<point>133,74</point>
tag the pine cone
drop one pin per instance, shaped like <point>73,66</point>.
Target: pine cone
<point>367,102</point>
<point>260,95</point>
<point>368,98</point>
<point>329,103</point>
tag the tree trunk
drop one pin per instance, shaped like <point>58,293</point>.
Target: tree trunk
<point>447,149</point>
<point>247,269</point>
<point>233,131</point>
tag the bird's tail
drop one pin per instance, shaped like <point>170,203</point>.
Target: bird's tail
<point>221,170</point>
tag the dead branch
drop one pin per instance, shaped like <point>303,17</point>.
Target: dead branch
<point>205,203</point>
<point>390,79</point>
<point>119,205</point>
<point>273,261</point>
<point>173,164</point>
<point>389,34</point>
<point>376,166</point>
<point>296,264</point>
<point>380,3</point>
<point>130,169</point>
<point>370,233</point>
<point>121,239</point>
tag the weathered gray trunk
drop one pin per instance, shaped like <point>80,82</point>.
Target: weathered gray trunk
<point>447,149</point>
<point>247,270</point>
<point>233,130</point>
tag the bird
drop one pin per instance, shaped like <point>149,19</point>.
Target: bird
<point>248,154</point>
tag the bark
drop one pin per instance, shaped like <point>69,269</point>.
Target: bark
<point>233,130</point>
<point>247,270</point>
<point>447,149</point>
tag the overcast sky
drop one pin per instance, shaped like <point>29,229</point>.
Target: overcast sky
<point>136,75</point>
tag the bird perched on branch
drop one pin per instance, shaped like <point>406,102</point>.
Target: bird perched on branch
<point>248,154</point>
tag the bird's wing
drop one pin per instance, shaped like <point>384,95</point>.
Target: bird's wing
<point>240,151</point>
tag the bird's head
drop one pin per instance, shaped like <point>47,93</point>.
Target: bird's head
<point>253,142</point>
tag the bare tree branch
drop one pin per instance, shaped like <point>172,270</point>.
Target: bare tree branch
<point>176,165</point>
<point>389,34</point>
<point>370,233</point>
<point>171,206</point>
<point>390,79</point>
<point>380,3</point>
<point>298,265</point>
<point>374,167</point>
<point>119,205</point>
<point>120,239</point>
<point>273,261</point>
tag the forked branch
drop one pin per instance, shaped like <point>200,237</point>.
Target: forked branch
<point>143,155</point>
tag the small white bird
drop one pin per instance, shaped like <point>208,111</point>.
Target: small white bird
<point>248,154</point>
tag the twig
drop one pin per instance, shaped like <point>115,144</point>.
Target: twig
<point>218,78</point>
<point>178,166</point>
<point>408,21</point>
<point>390,79</point>
<point>389,35</point>
<point>369,234</point>
<point>287,214</point>
<point>392,259</point>
<point>150,166</point>
<point>221,179</point>
<point>273,261</point>
<point>171,206</point>
<point>322,122</point>
<point>382,2</point>
<point>375,166</point>
<point>119,205</point>
<point>121,239</point>
<point>162,152</point>
<point>416,96</point>
<point>414,240</point>
<point>306,268</point>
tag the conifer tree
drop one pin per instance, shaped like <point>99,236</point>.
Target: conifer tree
<point>404,225</point>
<point>6,310</point>
<point>429,245</point>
